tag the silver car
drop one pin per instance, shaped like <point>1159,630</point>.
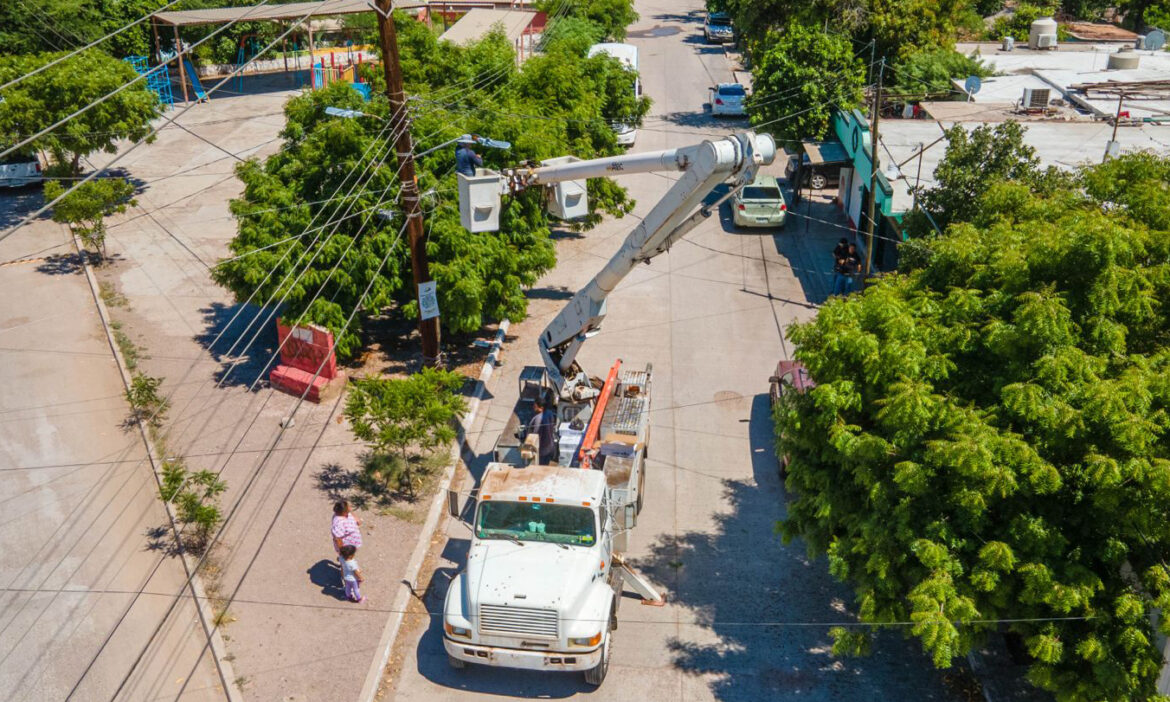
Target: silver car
<point>717,28</point>
<point>760,204</point>
<point>727,100</point>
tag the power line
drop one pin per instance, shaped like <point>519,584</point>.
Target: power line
<point>90,45</point>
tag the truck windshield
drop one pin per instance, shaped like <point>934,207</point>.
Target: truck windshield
<point>527,521</point>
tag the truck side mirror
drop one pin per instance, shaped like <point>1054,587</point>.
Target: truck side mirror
<point>453,504</point>
<point>630,516</point>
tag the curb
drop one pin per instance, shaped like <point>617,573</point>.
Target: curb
<point>202,603</point>
<point>414,565</point>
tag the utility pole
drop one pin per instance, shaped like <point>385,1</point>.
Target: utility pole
<point>404,148</point>
<point>873,168</point>
<point>1116,120</point>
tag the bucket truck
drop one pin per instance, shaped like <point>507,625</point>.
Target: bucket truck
<point>544,572</point>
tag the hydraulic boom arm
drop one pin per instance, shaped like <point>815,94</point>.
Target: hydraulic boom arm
<point>704,166</point>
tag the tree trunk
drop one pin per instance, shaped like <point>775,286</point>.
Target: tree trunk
<point>75,164</point>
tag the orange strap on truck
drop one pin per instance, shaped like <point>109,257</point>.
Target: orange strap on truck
<point>585,455</point>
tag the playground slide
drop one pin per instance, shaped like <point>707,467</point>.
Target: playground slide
<point>200,94</point>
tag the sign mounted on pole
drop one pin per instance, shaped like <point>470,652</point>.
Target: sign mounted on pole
<point>428,300</point>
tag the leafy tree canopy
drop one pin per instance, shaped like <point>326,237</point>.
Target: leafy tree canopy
<point>558,103</point>
<point>613,16</point>
<point>800,78</point>
<point>897,27</point>
<point>989,436</point>
<point>973,162</point>
<point>56,93</point>
<point>87,206</point>
<point>932,70</point>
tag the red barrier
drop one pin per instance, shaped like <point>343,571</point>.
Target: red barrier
<point>307,360</point>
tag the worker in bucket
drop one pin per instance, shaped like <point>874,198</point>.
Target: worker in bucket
<point>543,426</point>
<point>466,160</point>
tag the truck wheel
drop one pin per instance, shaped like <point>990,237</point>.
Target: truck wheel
<point>596,675</point>
<point>456,663</point>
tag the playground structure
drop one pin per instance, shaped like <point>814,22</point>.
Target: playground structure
<point>286,15</point>
<point>158,79</point>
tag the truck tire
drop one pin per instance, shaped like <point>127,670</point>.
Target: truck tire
<point>456,663</point>
<point>596,675</point>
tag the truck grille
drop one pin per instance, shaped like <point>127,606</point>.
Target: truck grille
<point>518,621</point>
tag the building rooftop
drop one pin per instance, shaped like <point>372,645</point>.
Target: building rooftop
<point>479,21</point>
<point>1064,145</point>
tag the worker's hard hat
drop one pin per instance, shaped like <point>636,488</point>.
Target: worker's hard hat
<point>465,139</point>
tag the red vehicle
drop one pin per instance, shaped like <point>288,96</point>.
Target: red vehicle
<point>790,376</point>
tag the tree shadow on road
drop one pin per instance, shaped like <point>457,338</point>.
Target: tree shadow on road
<point>243,344</point>
<point>739,581</point>
<point>73,263</point>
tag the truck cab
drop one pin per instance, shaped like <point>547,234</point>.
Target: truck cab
<point>540,589</point>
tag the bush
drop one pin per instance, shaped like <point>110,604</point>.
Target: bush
<point>195,498</point>
<point>146,403</point>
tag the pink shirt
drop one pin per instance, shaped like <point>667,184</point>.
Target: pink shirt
<point>346,529</point>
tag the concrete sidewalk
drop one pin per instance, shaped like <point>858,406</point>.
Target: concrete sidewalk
<point>289,630</point>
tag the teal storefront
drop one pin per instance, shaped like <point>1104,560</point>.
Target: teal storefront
<point>851,128</point>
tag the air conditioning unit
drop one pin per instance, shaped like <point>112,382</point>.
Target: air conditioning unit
<point>1035,98</point>
<point>1046,41</point>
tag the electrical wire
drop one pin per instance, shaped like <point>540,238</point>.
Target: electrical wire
<point>90,45</point>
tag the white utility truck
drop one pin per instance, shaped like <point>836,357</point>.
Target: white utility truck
<point>544,573</point>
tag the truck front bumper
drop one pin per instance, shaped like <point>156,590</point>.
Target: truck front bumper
<point>526,660</point>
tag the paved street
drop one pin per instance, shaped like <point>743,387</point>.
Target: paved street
<point>78,499</point>
<point>746,615</point>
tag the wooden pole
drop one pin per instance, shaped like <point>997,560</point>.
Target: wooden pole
<point>157,59</point>
<point>873,169</point>
<point>1116,120</point>
<point>179,58</point>
<point>404,148</point>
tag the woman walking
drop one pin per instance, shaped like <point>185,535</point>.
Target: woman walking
<point>346,529</point>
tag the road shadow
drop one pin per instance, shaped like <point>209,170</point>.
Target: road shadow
<point>65,263</point>
<point>248,84</point>
<point>815,225</point>
<point>242,338</point>
<point>18,203</point>
<point>550,293</point>
<point>741,584</point>
<point>482,680</point>
<point>326,575</point>
<point>681,17</point>
<point>693,119</point>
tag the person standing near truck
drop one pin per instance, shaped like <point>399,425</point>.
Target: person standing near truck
<point>543,425</point>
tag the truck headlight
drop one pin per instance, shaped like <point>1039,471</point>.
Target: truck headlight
<point>589,641</point>
<point>457,631</point>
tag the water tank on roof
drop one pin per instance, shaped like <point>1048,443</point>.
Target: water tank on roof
<point>1124,58</point>
<point>1042,34</point>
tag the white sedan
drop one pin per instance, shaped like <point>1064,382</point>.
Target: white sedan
<point>727,100</point>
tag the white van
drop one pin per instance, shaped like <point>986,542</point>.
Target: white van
<point>628,55</point>
<point>17,169</point>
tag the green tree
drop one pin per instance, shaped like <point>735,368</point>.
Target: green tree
<point>400,418</point>
<point>613,16</point>
<point>973,162</point>
<point>989,435</point>
<point>58,92</point>
<point>147,404</point>
<point>558,103</point>
<point>800,79</point>
<point>86,207</point>
<point>931,71</point>
<point>1019,23</point>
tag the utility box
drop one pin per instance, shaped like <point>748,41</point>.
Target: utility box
<point>570,199</point>
<point>479,201</point>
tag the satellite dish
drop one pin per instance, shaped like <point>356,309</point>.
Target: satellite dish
<point>1154,40</point>
<point>972,84</point>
